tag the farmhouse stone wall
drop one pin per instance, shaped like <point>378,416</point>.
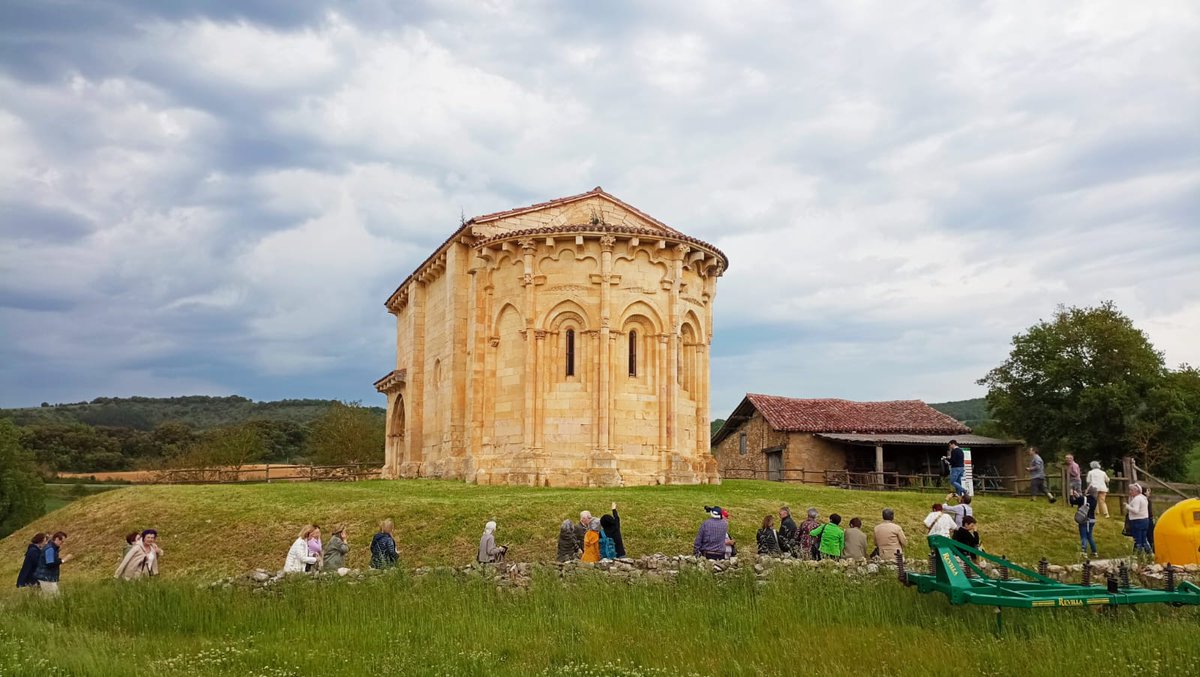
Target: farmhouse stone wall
<point>561,345</point>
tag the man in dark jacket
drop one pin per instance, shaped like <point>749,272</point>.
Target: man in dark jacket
<point>581,529</point>
<point>787,530</point>
<point>33,553</point>
<point>611,524</point>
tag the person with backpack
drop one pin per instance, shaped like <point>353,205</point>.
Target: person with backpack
<point>831,539</point>
<point>1085,518</point>
<point>489,552</point>
<point>611,526</point>
<point>591,542</point>
<point>787,531</point>
<point>608,547</point>
<point>768,540</point>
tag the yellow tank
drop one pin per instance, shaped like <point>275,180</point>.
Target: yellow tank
<point>1177,535</point>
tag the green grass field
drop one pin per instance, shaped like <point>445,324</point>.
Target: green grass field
<point>212,531</point>
<point>803,622</point>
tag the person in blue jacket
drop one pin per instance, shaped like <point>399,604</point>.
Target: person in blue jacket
<point>33,553</point>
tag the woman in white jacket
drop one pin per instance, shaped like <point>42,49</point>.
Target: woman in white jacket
<point>1097,479</point>
<point>298,555</point>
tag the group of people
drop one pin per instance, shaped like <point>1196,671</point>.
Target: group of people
<point>813,539</point>
<point>141,555</point>
<point>591,539</point>
<point>43,559</point>
<point>309,554</point>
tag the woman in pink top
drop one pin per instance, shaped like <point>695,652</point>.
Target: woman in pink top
<point>314,549</point>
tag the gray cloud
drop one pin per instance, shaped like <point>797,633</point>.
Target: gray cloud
<point>200,198</point>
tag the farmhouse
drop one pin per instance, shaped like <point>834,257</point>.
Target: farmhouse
<point>561,344</point>
<point>869,444</point>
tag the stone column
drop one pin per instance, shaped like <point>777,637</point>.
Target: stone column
<point>530,312</point>
<point>539,418</point>
<point>660,377</point>
<point>415,439</point>
<point>605,390</point>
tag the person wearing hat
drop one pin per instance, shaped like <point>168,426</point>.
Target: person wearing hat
<point>712,537</point>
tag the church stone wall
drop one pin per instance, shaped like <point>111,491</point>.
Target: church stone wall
<point>484,334</point>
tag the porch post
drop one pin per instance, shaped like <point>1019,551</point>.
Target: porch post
<point>879,465</point>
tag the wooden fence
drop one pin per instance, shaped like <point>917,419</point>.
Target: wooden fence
<point>269,473</point>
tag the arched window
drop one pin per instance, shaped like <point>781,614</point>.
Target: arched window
<point>570,352</point>
<point>633,354</point>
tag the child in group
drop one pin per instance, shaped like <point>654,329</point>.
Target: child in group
<point>314,549</point>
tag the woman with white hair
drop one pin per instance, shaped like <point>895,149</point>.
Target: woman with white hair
<point>1098,479</point>
<point>1137,511</point>
<point>488,551</point>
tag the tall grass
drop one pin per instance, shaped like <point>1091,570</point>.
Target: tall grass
<point>800,622</point>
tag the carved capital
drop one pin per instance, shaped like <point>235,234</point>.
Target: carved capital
<point>540,334</point>
<point>682,249</point>
<point>607,242</point>
<point>493,341</point>
<point>527,245</point>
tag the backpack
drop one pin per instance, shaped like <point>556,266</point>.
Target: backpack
<point>1081,515</point>
<point>608,549</point>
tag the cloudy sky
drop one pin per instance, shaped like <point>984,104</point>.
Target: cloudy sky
<point>197,200</point>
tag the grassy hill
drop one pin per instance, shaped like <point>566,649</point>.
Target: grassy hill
<point>145,413</point>
<point>208,531</point>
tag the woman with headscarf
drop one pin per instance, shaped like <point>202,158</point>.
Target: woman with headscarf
<point>808,542</point>
<point>142,558</point>
<point>612,528</point>
<point>488,550</point>
<point>1098,479</point>
<point>569,546</point>
<point>591,542</point>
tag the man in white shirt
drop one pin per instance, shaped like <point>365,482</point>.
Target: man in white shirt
<point>938,522</point>
<point>1137,511</point>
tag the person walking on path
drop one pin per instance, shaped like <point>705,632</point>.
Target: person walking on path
<point>807,543</point>
<point>1037,475</point>
<point>33,553</point>
<point>831,539</point>
<point>334,555</point>
<point>489,552</point>
<point>1098,479</point>
<point>569,546</point>
<point>787,532</point>
<point>938,522</point>
<point>1137,511</point>
<point>960,510</point>
<point>889,537</point>
<point>767,539</point>
<point>1074,481</point>
<point>591,542</point>
<point>383,547</point>
<point>957,467</point>
<point>712,537</point>
<point>967,534</point>
<point>611,524</point>
<point>856,540</point>
<point>50,564</point>
<point>298,559</point>
<point>1085,518</point>
<point>142,558</point>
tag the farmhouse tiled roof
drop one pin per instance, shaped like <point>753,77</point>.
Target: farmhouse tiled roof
<point>788,414</point>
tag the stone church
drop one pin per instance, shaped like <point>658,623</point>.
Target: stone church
<point>561,344</point>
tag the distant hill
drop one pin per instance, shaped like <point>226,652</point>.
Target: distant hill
<point>971,412</point>
<point>145,413</point>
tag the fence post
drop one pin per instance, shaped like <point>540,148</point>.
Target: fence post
<point>267,469</point>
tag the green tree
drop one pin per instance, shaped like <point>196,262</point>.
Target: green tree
<point>347,433</point>
<point>22,494</point>
<point>1090,383</point>
<point>230,447</point>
